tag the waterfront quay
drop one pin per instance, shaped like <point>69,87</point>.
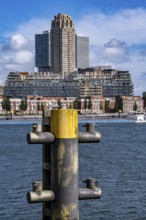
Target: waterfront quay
<point>102,116</point>
<point>19,117</point>
<point>80,116</point>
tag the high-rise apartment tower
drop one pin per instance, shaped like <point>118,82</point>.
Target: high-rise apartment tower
<point>42,51</point>
<point>63,44</point>
<point>82,51</point>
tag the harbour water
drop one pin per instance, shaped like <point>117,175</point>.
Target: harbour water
<point>118,162</point>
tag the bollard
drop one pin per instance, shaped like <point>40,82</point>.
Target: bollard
<point>92,191</point>
<point>64,161</point>
<point>59,190</point>
<point>38,195</point>
<point>90,136</point>
<point>40,138</point>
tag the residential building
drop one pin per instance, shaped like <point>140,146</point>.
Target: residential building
<point>98,104</point>
<point>117,82</point>
<point>66,52</point>
<point>82,52</point>
<point>107,82</point>
<point>130,103</point>
<point>110,104</point>
<point>63,44</point>
<point>42,52</point>
<point>15,103</point>
<point>91,104</point>
<point>91,82</point>
<point>88,88</point>
<point>35,103</point>
<point>19,84</point>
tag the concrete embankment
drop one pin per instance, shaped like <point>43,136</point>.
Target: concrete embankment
<point>20,117</point>
<point>82,116</point>
<point>102,116</point>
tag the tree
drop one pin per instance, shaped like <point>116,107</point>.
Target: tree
<point>59,104</point>
<point>6,104</point>
<point>135,107</point>
<point>42,107</point>
<point>70,106</point>
<point>118,104</point>
<point>100,106</point>
<point>23,105</point>
<point>107,109</point>
<point>90,103</point>
<point>121,104</point>
<point>38,107</point>
<point>75,104</point>
<point>116,108</point>
<point>85,103</point>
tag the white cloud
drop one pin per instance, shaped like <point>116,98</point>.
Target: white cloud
<point>5,59</point>
<point>34,26</point>
<point>115,51</point>
<point>128,25</point>
<point>143,53</point>
<point>23,57</point>
<point>16,42</point>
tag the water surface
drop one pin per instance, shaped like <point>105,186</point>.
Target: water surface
<point>118,162</point>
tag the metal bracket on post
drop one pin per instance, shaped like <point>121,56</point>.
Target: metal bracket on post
<point>92,191</point>
<point>39,137</point>
<point>38,195</point>
<point>90,136</point>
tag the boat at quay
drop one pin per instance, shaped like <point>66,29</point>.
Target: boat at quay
<point>138,117</point>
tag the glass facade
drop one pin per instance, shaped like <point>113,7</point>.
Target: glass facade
<point>42,51</point>
<point>82,52</point>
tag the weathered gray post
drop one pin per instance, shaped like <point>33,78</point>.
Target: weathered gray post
<point>59,192</point>
<point>64,161</point>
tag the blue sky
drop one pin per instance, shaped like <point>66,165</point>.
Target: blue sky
<point>116,31</point>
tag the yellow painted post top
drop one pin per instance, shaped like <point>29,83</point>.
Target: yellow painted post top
<point>64,123</point>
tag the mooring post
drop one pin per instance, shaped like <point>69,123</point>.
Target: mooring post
<point>64,162</point>
<point>59,190</point>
